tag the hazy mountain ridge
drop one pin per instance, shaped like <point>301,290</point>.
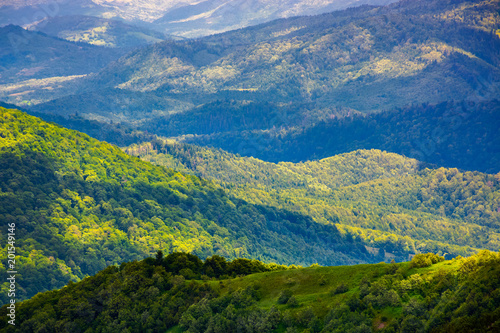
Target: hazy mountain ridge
<point>184,18</point>
<point>216,16</point>
<point>35,67</point>
<point>363,59</point>
<point>34,55</point>
<point>332,59</point>
<point>98,31</point>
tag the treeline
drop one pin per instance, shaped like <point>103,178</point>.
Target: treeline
<point>192,267</point>
<point>424,295</point>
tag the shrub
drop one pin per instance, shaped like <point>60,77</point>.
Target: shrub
<point>284,296</point>
<point>425,260</point>
<point>340,289</point>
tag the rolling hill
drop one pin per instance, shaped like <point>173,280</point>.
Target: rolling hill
<point>175,294</point>
<point>460,135</point>
<point>33,55</point>
<point>35,67</point>
<point>367,59</point>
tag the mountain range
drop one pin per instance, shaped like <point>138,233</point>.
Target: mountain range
<point>82,205</point>
<point>183,18</point>
<point>301,71</point>
<point>395,204</point>
<point>97,31</point>
<point>182,178</point>
<point>35,67</point>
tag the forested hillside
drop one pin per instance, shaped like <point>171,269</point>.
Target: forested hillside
<point>250,180</point>
<point>181,293</point>
<point>34,55</point>
<point>80,205</point>
<point>396,204</point>
<point>35,67</point>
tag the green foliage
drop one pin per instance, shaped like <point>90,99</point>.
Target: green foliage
<point>147,296</point>
<point>285,296</point>
<point>448,134</point>
<point>340,289</point>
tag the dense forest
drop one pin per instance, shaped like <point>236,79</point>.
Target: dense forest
<point>462,134</point>
<point>396,204</point>
<point>301,88</point>
<point>81,205</point>
<point>181,293</point>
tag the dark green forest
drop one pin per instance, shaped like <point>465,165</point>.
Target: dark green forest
<point>181,293</point>
<point>81,205</point>
<point>460,135</point>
